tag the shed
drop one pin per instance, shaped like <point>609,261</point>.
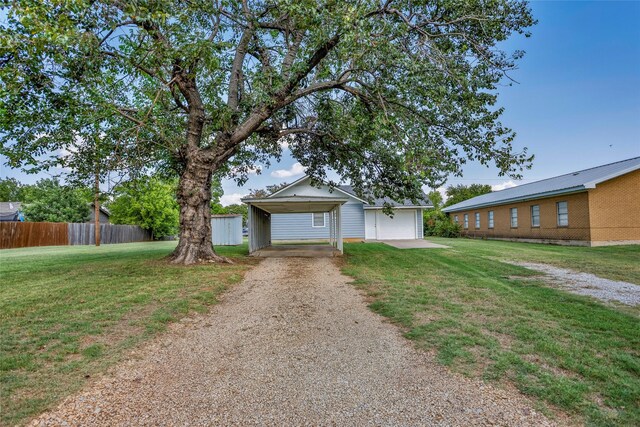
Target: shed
<point>226,230</point>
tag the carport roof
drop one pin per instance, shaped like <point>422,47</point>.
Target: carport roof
<point>296,204</point>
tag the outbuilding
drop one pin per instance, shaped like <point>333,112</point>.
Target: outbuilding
<point>226,230</point>
<point>303,212</point>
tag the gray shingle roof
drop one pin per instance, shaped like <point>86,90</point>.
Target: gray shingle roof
<point>378,203</point>
<point>563,184</point>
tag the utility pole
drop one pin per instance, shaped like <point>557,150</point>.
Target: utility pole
<point>96,206</point>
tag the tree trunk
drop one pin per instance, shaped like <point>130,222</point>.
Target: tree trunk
<point>194,188</point>
<point>194,198</point>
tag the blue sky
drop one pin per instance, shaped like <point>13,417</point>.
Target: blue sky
<point>577,104</point>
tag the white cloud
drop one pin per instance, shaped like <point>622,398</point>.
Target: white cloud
<point>283,143</point>
<point>232,199</point>
<point>503,186</point>
<point>296,169</point>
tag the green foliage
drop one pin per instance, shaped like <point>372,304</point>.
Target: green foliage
<point>461,192</point>
<point>49,201</point>
<point>437,223</point>
<point>436,199</point>
<point>11,190</point>
<point>391,95</point>
<point>148,202</point>
<point>216,194</point>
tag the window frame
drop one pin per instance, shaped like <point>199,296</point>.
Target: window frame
<point>477,222</point>
<point>566,213</point>
<point>313,219</point>
<point>511,217</point>
<point>490,220</point>
<point>455,219</point>
<point>538,216</point>
<point>466,221</point>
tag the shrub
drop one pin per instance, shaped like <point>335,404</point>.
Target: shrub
<point>437,223</point>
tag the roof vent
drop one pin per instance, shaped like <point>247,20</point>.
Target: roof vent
<point>576,173</point>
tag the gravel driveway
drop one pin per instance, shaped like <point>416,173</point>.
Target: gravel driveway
<point>587,284</point>
<point>294,344</point>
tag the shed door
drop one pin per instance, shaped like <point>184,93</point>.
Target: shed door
<point>401,226</point>
<point>370,224</point>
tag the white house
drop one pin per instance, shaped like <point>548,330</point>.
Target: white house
<point>300,211</point>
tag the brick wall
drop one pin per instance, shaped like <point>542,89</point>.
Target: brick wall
<point>614,209</point>
<point>578,229</point>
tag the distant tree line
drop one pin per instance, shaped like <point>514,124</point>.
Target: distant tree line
<point>149,202</point>
<point>48,200</point>
<point>436,222</point>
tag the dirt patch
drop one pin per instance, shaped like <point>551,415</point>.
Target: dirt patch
<point>293,344</point>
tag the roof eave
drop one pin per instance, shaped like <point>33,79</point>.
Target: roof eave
<point>369,207</point>
<point>577,189</point>
<point>296,182</point>
<point>592,184</point>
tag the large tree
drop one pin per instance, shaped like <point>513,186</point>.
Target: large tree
<point>11,190</point>
<point>390,94</point>
<point>459,193</point>
<point>50,201</point>
<point>147,202</point>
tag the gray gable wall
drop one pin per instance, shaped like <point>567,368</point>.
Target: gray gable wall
<point>298,226</point>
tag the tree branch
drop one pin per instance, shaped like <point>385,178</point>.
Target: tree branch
<point>235,79</point>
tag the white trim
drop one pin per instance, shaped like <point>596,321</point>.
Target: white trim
<point>399,207</point>
<point>349,194</point>
<point>288,186</point>
<point>307,177</point>
<point>324,220</point>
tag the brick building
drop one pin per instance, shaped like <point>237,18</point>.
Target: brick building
<point>593,207</point>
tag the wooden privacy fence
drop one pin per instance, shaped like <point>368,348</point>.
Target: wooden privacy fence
<point>84,234</point>
<point>26,234</point>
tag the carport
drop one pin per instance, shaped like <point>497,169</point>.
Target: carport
<point>259,221</point>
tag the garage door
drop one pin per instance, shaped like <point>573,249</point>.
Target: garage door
<point>401,226</point>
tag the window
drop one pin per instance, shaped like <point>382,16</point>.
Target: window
<point>466,221</point>
<point>563,214</point>
<point>514,217</point>
<point>477,220</point>
<point>317,219</point>
<point>535,216</point>
<point>455,219</point>
<point>490,215</point>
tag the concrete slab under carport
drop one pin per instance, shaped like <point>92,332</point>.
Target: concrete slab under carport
<point>303,251</point>
<point>411,244</point>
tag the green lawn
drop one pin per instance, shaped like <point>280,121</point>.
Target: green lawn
<point>67,313</point>
<point>486,318</point>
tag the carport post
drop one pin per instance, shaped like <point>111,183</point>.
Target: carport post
<point>331,227</point>
<point>339,227</point>
<point>250,226</point>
